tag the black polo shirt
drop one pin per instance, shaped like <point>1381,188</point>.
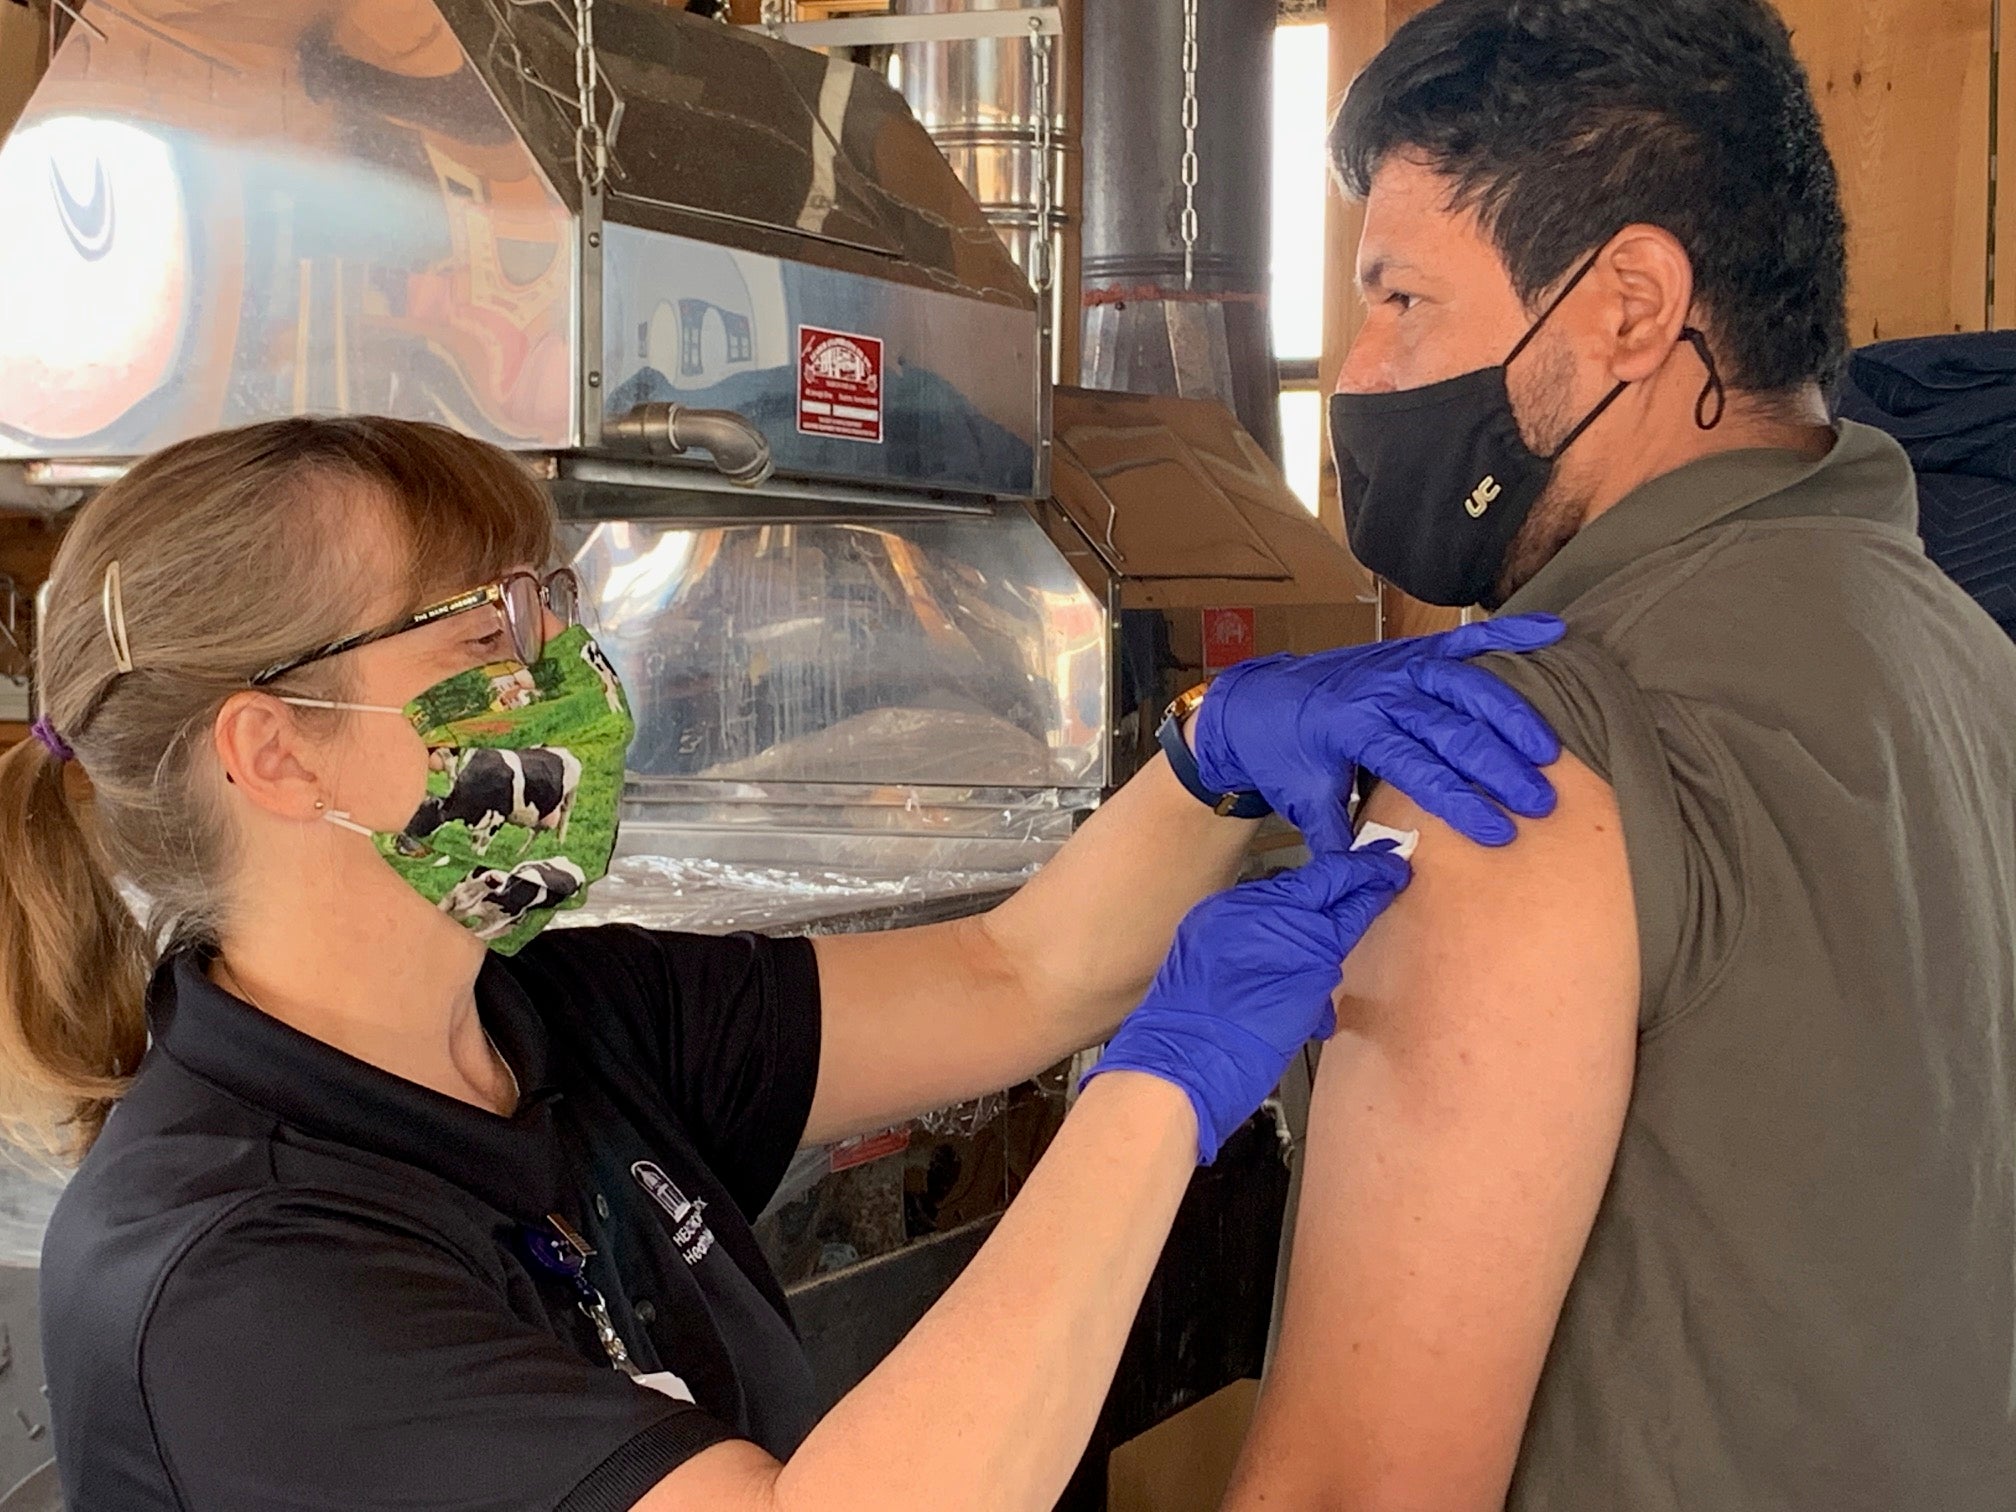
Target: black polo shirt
<point>285,1279</point>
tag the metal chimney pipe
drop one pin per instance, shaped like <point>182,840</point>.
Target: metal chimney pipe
<point>980,102</point>
<point>1132,247</point>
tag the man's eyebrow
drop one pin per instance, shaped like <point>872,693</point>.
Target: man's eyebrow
<point>1374,276</point>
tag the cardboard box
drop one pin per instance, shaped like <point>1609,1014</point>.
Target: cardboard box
<point>1186,1463</point>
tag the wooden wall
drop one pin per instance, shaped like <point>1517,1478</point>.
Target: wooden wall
<point>27,546</point>
<point>1903,90</point>
<point>24,34</point>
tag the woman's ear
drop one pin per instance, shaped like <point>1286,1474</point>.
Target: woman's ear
<point>263,754</point>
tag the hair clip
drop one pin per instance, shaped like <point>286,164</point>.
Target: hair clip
<point>113,601</point>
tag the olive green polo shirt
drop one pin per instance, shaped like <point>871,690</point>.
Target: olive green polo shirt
<point>1800,1291</point>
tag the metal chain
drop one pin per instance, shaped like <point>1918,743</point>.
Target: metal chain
<point>1042,270</point>
<point>1189,173</point>
<point>591,141</point>
<point>596,1310</point>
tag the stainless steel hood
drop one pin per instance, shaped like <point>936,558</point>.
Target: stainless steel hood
<point>454,210</point>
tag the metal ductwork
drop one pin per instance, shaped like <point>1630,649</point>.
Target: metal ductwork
<point>984,100</point>
<point>1148,327</point>
<point>224,212</point>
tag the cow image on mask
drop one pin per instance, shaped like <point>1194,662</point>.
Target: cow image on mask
<point>491,903</point>
<point>533,788</point>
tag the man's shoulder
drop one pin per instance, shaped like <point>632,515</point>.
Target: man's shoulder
<point>1768,602</point>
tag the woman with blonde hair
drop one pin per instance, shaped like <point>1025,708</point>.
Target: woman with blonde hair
<point>388,1199</point>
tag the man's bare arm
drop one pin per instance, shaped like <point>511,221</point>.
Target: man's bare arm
<point>1465,1122</point>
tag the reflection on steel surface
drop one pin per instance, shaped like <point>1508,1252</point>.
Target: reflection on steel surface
<point>238,210</point>
<point>980,100</point>
<point>955,652</point>
<point>204,222</point>
<point>739,451</point>
<point>729,136</point>
<point>717,327</point>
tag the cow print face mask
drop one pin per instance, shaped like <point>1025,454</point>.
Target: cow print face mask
<point>524,778</point>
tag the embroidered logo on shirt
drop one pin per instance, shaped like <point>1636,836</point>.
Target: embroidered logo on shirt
<point>691,1233</point>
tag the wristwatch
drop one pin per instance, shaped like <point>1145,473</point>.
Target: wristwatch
<point>1183,762</point>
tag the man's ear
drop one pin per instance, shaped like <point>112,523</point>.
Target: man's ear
<point>1651,279</point>
<point>264,756</point>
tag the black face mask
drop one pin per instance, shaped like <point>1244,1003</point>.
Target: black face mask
<point>1437,480</point>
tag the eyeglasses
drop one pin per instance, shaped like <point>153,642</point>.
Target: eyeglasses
<point>523,598</point>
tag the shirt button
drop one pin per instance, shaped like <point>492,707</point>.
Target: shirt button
<point>601,1206</point>
<point>646,1314</point>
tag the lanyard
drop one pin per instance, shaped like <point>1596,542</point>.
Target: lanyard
<point>559,1249</point>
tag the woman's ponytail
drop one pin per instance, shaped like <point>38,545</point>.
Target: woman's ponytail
<point>73,965</point>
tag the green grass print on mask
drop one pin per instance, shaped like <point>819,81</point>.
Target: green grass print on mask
<point>569,701</point>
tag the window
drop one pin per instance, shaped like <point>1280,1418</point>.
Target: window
<point>1301,183</point>
<point>741,347</point>
<point>692,334</point>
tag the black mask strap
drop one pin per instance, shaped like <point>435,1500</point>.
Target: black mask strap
<point>1590,419</point>
<point>1559,299</point>
<point>1713,391</point>
<point>1527,340</point>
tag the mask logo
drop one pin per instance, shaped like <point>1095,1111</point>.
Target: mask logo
<point>1482,497</point>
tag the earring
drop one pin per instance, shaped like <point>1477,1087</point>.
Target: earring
<point>320,805</point>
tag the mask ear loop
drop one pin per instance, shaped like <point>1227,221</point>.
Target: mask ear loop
<point>341,817</point>
<point>1527,340</point>
<point>353,708</point>
<point>1713,389</point>
<point>1590,419</point>
<point>1559,300</point>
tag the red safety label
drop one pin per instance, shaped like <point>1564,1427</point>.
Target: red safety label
<point>839,384</point>
<point>863,1148</point>
<point>1229,638</point>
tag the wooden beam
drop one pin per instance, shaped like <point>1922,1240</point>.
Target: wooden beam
<point>1070,260</point>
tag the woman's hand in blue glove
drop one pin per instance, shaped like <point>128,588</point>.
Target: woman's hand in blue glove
<point>1412,712</point>
<point>1249,982</point>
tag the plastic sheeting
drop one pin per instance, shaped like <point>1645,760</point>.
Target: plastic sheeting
<point>27,1193</point>
<point>721,897</point>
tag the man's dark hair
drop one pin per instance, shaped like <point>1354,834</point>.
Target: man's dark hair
<point>1563,121</point>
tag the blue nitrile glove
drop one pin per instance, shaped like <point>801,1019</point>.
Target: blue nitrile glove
<point>1248,983</point>
<point>1412,712</point>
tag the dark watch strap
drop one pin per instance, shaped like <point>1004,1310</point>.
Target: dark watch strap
<point>1183,762</point>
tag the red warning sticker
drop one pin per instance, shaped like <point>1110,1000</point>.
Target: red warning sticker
<point>1229,636</point>
<point>839,384</point>
<point>863,1148</point>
